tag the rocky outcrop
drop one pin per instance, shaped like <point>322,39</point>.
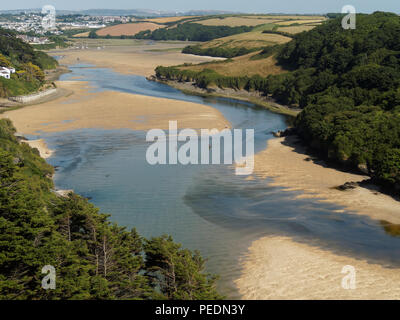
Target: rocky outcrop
<point>348,186</point>
<point>285,133</point>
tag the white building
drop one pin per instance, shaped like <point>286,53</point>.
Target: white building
<point>6,72</point>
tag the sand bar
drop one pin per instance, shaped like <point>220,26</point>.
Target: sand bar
<point>279,268</point>
<point>288,164</point>
<point>111,110</point>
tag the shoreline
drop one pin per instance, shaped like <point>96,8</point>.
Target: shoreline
<point>281,268</point>
<point>242,95</point>
<point>288,163</point>
<point>41,146</point>
<point>83,109</point>
<point>37,97</point>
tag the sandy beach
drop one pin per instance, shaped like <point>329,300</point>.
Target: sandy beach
<point>111,110</point>
<point>279,268</point>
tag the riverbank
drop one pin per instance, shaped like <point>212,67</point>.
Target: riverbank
<point>242,95</point>
<point>286,161</point>
<point>41,146</point>
<point>47,93</point>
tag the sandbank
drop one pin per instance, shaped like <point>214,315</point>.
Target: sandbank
<point>84,109</point>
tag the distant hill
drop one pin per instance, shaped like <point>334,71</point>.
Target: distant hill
<point>123,12</point>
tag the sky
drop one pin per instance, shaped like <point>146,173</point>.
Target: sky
<point>250,6</point>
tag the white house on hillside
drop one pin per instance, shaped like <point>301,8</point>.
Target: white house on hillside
<point>6,72</point>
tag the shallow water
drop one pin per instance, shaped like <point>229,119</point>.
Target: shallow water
<point>204,207</point>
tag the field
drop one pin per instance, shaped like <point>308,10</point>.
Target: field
<point>294,24</point>
<point>244,43</point>
<point>292,17</point>
<point>240,66</point>
<point>234,21</point>
<point>295,29</point>
<point>304,21</point>
<point>82,35</point>
<point>170,19</point>
<point>128,29</point>
<point>94,43</point>
<point>254,39</point>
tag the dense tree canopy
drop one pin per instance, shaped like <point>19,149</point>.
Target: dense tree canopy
<point>93,258</point>
<point>221,51</point>
<point>192,32</point>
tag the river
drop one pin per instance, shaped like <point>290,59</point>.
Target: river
<point>204,207</point>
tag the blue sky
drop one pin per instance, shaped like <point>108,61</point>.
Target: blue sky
<point>252,6</point>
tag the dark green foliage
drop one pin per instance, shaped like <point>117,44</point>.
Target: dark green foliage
<point>207,78</point>
<point>192,32</point>
<point>282,33</point>
<point>178,272</point>
<point>352,101</point>
<point>93,34</point>
<point>223,52</point>
<point>93,258</point>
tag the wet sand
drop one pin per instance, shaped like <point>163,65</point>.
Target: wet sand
<point>111,110</point>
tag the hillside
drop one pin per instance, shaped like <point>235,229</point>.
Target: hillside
<point>267,30</point>
<point>237,45</point>
<point>29,64</point>
<point>347,82</point>
<point>350,88</point>
<point>128,29</point>
<point>247,65</point>
<point>93,258</point>
<point>206,28</point>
